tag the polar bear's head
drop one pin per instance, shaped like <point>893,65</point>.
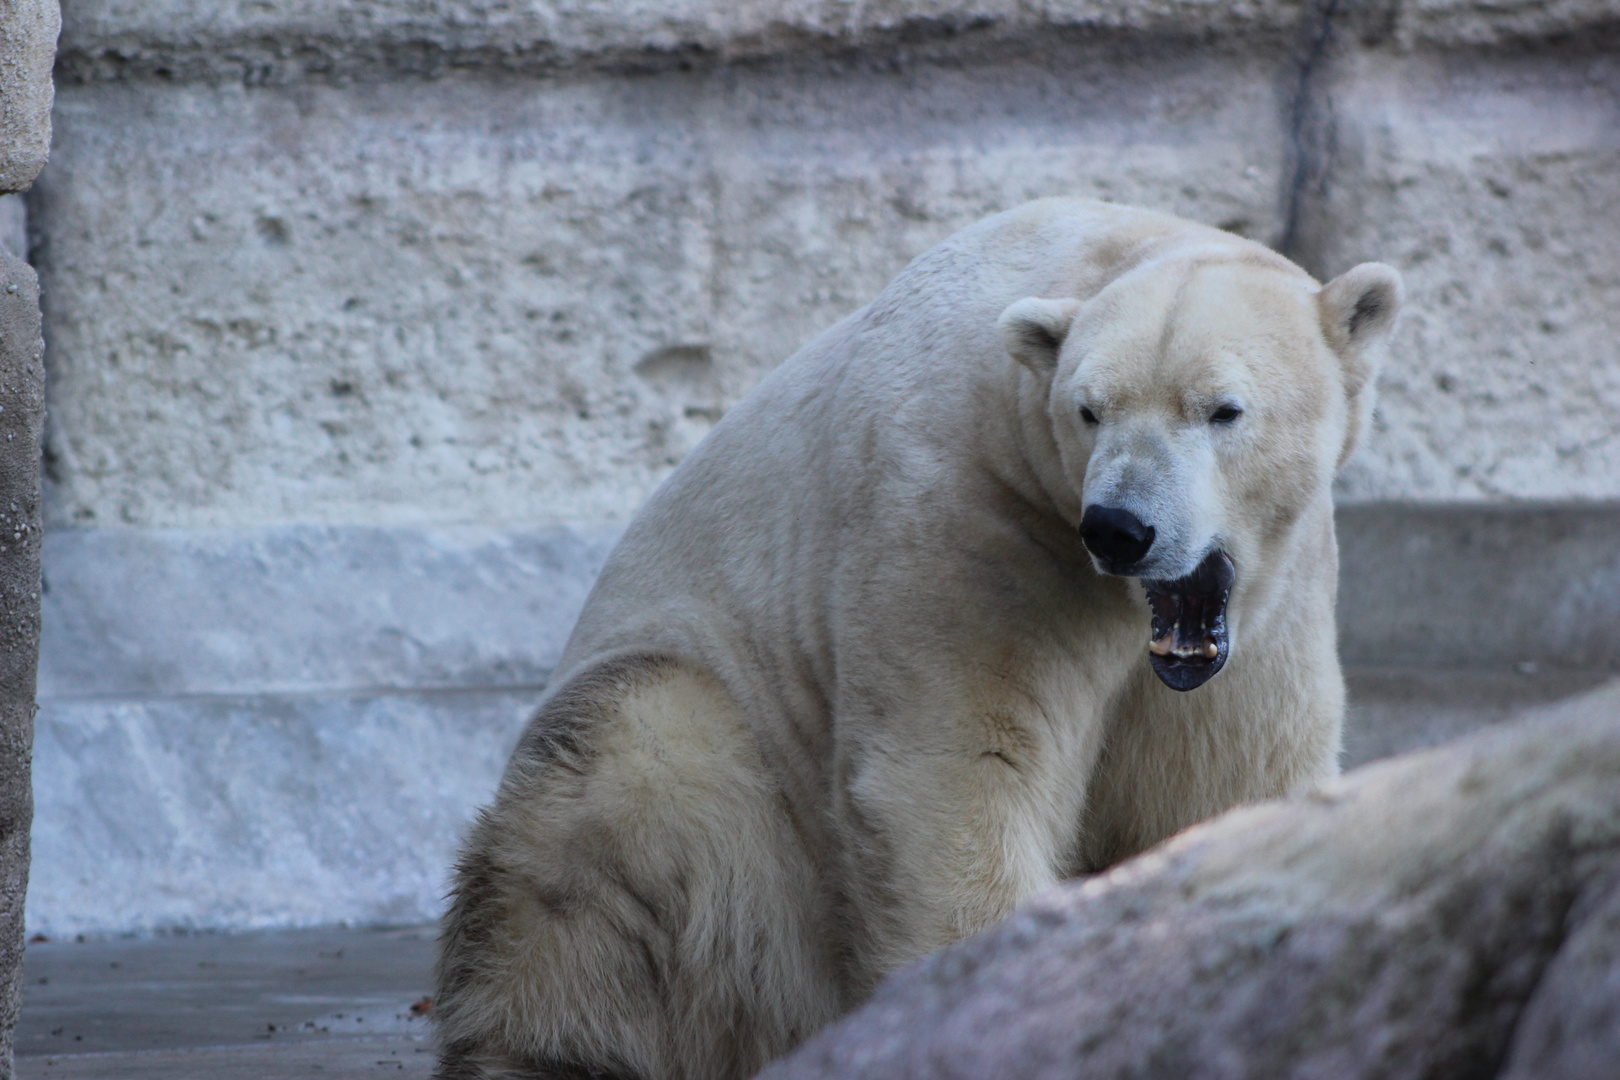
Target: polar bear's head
<point>1200,404</point>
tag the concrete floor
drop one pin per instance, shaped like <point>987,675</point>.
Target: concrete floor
<point>336,1004</point>
<point>329,1003</point>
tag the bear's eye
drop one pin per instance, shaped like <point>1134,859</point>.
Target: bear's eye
<point>1225,414</point>
<point>1087,415</point>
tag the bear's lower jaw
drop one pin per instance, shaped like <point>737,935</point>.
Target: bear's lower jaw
<point>1189,643</point>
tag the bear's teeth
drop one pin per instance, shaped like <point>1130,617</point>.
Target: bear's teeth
<point>1166,646</point>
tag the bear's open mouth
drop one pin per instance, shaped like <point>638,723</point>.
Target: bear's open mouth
<point>1189,643</point>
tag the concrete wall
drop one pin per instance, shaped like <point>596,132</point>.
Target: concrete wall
<point>28,31</point>
<point>370,324</point>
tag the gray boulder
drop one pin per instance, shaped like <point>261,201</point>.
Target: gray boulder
<point>1449,913</point>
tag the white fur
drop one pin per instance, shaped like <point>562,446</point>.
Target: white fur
<point>866,690</point>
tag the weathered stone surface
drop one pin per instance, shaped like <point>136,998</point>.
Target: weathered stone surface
<point>22,416</point>
<point>297,291</point>
<point>308,610</point>
<point>281,39</point>
<point>1397,709</point>
<point>281,726</point>
<point>166,650</point>
<point>1471,586</point>
<point>284,38</point>
<point>28,30</point>
<point>258,810</point>
<point>1493,183</point>
<point>313,609</point>
<point>1499,23</point>
<point>508,301</point>
<point>1396,924</point>
<point>14,225</point>
<point>499,299</point>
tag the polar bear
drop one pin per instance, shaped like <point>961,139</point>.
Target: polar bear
<point>1011,574</point>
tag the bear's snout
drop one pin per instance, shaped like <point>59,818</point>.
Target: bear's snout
<point>1118,537</point>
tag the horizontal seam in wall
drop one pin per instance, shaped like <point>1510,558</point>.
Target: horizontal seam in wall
<point>316,692</point>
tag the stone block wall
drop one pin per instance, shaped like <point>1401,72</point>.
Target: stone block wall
<point>372,323</point>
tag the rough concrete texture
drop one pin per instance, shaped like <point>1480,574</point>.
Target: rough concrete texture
<point>302,609</point>
<point>329,281</point>
<point>1397,709</point>
<point>503,300</point>
<point>281,39</point>
<point>330,1003</point>
<point>1466,586</point>
<point>1454,912</point>
<point>141,613</point>
<point>289,725</point>
<point>258,810</point>
<point>28,30</point>
<point>1493,183</point>
<point>14,225</point>
<point>278,39</point>
<point>1497,23</point>
<point>22,417</point>
<point>493,297</point>
<point>283,726</point>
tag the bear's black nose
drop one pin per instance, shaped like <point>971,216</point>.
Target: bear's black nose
<point>1115,536</point>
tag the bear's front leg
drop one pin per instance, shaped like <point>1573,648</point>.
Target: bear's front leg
<point>948,826</point>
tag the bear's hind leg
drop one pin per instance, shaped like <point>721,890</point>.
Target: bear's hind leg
<point>636,904</point>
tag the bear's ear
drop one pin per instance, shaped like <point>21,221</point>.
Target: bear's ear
<point>1032,331</point>
<point>1358,310</point>
<point>1358,313</point>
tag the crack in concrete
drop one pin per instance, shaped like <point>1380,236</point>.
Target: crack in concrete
<point>1310,134</point>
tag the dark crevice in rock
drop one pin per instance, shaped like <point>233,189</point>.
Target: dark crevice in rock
<point>1311,134</point>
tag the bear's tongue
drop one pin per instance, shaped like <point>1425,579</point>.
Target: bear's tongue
<point>1189,643</point>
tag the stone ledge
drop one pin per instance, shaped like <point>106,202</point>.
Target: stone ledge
<point>213,751</point>
<point>258,810</point>
<point>283,39</point>
<point>134,613</point>
<point>1507,23</point>
<point>158,613</point>
<point>112,38</point>
<point>1469,586</point>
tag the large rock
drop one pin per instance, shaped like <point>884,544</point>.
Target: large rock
<point>1451,913</point>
